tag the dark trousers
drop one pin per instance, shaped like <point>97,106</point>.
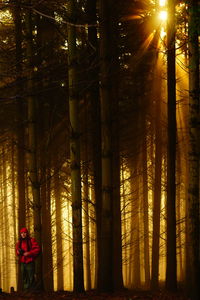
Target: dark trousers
<point>28,275</point>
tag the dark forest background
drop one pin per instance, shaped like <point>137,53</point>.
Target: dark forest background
<point>99,143</point>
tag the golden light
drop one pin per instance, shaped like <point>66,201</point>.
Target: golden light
<point>162,34</point>
<point>162,3</point>
<point>163,15</point>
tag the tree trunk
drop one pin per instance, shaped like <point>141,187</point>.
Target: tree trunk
<point>145,209</point>
<point>94,100</point>
<point>193,190</point>
<point>6,227</point>
<point>86,226</point>
<point>14,202</point>
<point>179,221</point>
<point>126,254</point>
<point>75,154</point>
<point>157,188</point>
<point>59,246</point>
<point>106,248</point>
<point>20,128</point>
<point>46,232</point>
<point>32,148</point>
<point>171,277</point>
<point>21,114</point>
<point>136,231</point>
<point>115,68</point>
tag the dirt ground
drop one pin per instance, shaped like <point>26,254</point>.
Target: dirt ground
<point>93,295</point>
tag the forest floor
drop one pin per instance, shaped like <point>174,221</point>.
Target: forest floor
<point>125,295</point>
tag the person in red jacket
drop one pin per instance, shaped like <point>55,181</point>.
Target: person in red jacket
<point>27,249</point>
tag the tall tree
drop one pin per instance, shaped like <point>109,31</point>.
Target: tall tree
<point>32,144</point>
<point>20,105</point>
<point>45,34</point>
<point>46,232</point>
<point>115,140</point>
<point>75,151</point>
<point>94,100</point>
<point>193,156</point>
<point>105,274</point>
<point>6,232</point>
<point>157,183</point>
<point>171,272</point>
<point>17,17</point>
<point>86,225</point>
<point>59,246</point>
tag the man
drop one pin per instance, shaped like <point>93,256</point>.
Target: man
<point>27,249</point>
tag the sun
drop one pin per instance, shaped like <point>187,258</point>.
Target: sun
<point>162,2</point>
<point>163,15</point>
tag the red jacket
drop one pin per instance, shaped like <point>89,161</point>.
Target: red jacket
<point>29,245</point>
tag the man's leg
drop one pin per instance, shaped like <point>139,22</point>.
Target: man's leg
<point>30,270</point>
<point>24,276</point>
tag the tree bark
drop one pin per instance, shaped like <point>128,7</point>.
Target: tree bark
<point>94,100</point>
<point>106,246</point>
<point>135,228</point>
<point>46,232</point>
<point>20,129</point>
<point>115,144</point>
<point>86,225</point>
<point>193,156</point>
<point>75,154</point>
<point>32,147</point>
<point>157,188</point>
<point>59,246</point>
<point>171,272</point>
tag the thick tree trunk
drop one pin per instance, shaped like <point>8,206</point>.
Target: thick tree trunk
<point>46,232</point>
<point>145,210</point>
<point>59,246</point>
<point>86,227</point>
<point>21,113</point>
<point>14,202</point>
<point>106,247</point>
<point>193,190</point>
<point>94,100</point>
<point>6,227</point>
<point>179,221</point>
<point>32,148</point>
<point>157,188</point>
<point>75,155</point>
<point>117,242</point>
<point>136,231</point>
<point>20,129</point>
<point>127,267</point>
<point>171,272</point>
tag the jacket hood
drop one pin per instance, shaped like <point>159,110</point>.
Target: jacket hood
<point>24,229</point>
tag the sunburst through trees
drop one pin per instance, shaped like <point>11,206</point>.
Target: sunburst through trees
<point>99,142</point>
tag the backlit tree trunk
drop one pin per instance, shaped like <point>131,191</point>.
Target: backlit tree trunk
<point>86,225</point>
<point>14,204</point>
<point>171,277</point>
<point>75,154</point>
<point>59,246</point>
<point>145,208</point>
<point>179,221</point>
<point>157,186</point>
<point>117,242</point>
<point>94,100</point>
<point>106,243</point>
<point>193,190</point>
<point>6,231</point>
<point>46,232</point>
<point>20,130</point>
<point>136,230</point>
<point>32,146</point>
